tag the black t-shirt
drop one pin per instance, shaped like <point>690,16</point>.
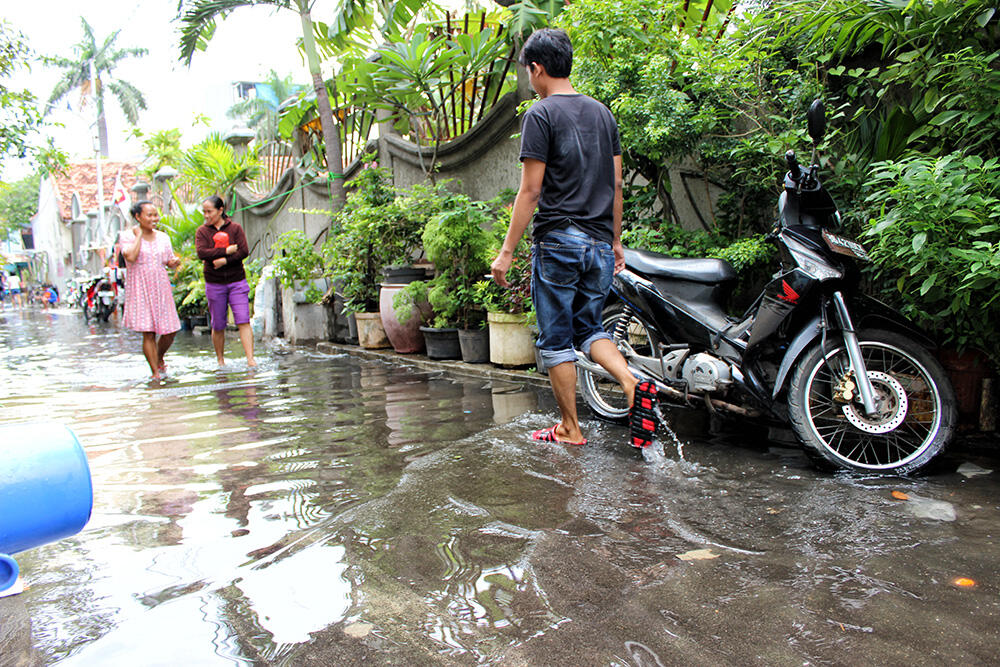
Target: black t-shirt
<point>577,138</point>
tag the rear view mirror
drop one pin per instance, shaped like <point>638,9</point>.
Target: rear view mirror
<point>816,120</point>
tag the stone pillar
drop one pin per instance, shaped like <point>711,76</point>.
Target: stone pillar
<point>78,232</point>
<point>141,191</point>
<point>162,178</point>
<point>239,138</point>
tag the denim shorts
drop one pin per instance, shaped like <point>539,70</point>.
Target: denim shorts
<point>571,276</point>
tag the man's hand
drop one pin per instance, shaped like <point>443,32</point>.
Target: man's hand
<point>231,249</point>
<point>619,256</point>
<point>500,267</point>
<point>219,263</point>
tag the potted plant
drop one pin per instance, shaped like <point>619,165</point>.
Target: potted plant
<point>509,310</point>
<point>456,243</point>
<point>298,267</point>
<point>369,233</point>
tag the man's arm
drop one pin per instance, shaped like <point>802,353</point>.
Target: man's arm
<point>530,190</point>
<point>616,244</point>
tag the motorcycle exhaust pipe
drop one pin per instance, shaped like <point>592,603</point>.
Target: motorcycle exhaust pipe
<point>663,389</point>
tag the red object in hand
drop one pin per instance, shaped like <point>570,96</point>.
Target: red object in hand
<point>221,240</point>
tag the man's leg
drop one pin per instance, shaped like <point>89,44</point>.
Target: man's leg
<point>563,379</point>
<point>554,283</point>
<point>604,352</point>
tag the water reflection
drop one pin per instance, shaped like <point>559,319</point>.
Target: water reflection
<point>336,510</point>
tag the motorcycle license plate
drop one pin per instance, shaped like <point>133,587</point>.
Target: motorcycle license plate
<point>104,293</point>
<point>845,246</point>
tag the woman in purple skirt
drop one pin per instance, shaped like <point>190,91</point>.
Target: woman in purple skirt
<point>222,246</point>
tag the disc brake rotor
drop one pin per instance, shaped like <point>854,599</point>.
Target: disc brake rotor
<point>890,402</point>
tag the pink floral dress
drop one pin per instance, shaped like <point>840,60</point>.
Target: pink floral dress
<point>149,299</point>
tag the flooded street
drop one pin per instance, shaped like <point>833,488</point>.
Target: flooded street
<point>334,510</point>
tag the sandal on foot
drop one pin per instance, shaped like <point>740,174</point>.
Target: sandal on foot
<point>549,435</point>
<point>642,418</point>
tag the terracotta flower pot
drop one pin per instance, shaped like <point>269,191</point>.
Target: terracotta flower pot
<point>405,338</point>
<point>371,335</point>
<point>511,342</point>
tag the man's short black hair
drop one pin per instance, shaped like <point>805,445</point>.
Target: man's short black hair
<point>550,48</point>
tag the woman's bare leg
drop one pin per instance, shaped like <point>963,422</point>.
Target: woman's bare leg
<point>162,345</point>
<point>246,338</point>
<point>149,351</point>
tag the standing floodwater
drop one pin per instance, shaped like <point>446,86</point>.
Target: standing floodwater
<point>333,510</point>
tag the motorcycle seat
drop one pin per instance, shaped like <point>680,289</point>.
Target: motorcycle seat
<point>698,270</point>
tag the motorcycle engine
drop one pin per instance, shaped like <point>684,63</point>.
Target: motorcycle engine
<point>703,372</point>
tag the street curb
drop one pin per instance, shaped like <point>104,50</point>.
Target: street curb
<point>461,368</point>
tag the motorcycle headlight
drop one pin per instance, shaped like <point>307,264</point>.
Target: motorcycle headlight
<point>811,263</point>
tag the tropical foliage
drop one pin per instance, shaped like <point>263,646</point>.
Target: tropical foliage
<point>95,58</point>
<point>373,230</point>
<point>213,167</point>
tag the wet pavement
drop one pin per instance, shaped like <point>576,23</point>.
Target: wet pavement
<point>335,510</point>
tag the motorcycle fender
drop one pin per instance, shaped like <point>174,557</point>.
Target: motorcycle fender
<point>804,339</point>
<point>870,313</point>
<point>866,313</point>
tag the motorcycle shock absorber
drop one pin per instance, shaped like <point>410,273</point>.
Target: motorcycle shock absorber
<point>621,328</point>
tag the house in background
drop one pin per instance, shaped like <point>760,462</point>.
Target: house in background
<point>67,227</point>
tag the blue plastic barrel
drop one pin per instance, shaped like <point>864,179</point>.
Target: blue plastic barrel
<point>45,490</point>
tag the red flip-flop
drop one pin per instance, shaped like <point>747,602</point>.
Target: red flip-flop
<point>642,418</point>
<point>549,435</point>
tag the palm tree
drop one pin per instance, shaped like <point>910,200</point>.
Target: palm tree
<point>261,112</point>
<point>104,58</point>
<point>198,22</point>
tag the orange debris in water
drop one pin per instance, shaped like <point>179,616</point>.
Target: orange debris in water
<point>899,495</point>
<point>964,582</point>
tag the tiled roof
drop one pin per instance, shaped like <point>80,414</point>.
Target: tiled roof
<point>81,178</point>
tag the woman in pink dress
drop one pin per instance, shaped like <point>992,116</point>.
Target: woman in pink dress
<point>149,300</point>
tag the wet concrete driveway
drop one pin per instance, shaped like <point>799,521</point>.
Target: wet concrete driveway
<point>332,510</point>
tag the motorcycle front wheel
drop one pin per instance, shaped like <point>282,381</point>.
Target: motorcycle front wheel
<point>604,396</point>
<point>915,416</point>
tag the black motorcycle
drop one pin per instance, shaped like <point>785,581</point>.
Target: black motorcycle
<point>852,377</point>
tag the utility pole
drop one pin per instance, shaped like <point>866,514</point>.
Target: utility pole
<point>97,155</point>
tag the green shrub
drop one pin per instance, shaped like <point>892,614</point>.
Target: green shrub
<point>935,225</point>
<point>295,259</point>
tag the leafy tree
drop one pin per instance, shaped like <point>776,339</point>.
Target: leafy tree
<point>20,119</point>
<point>261,112</point>
<point>198,20</point>
<point>105,57</point>
<point>18,202</point>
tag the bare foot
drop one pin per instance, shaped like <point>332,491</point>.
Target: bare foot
<point>251,363</point>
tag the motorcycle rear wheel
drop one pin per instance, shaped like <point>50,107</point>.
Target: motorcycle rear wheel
<point>603,396</point>
<point>916,416</point>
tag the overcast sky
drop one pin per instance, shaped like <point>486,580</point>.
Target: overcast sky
<point>246,46</point>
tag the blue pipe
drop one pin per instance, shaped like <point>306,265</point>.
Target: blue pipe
<point>46,492</point>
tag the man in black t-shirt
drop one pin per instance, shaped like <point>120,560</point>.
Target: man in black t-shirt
<point>572,171</point>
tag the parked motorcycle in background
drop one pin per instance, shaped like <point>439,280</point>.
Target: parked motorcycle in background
<point>101,298</point>
<point>852,377</point>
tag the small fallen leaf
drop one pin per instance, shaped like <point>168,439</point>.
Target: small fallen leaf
<point>698,554</point>
<point>964,582</point>
<point>771,510</point>
<point>899,495</point>
<point>358,630</point>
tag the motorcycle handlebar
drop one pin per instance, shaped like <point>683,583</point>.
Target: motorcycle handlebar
<point>793,165</point>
